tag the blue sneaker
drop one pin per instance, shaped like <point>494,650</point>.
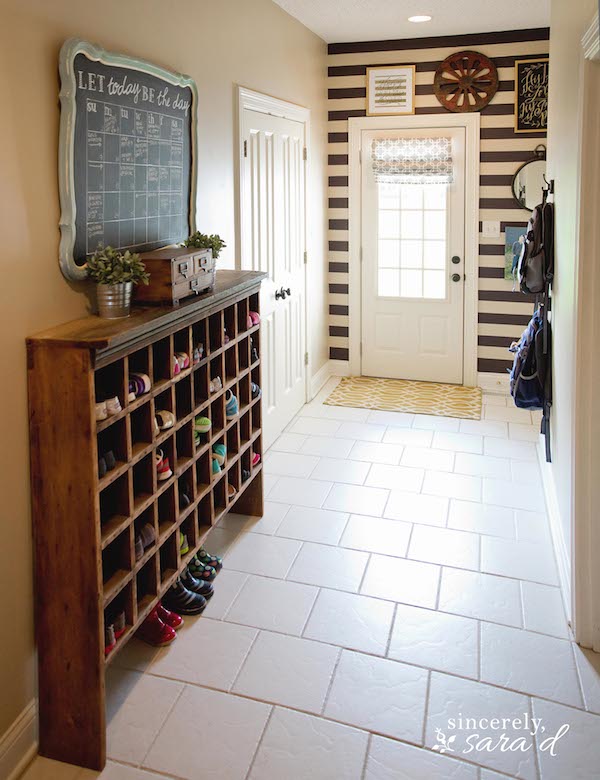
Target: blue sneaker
<point>231,405</point>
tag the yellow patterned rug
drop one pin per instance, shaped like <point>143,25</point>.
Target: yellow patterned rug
<point>402,395</point>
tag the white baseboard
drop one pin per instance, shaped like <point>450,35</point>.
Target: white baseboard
<point>339,367</point>
<point>319,379</point>
<point>560,550</point>
<point>18,745</point>
<point>495,384</point>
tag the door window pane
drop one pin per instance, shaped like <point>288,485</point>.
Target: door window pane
<point>389,224</point>
<point>435,197</point>
<point>435,224</point>
<point>389,283</point>
<point>412,196</point>
<point>389,196</point>
<point>411,284</point>
<point>412,224</point>
<point>434,284</point>
<point>411,254</point>
<point>434,254</point>
<point>389,253</point>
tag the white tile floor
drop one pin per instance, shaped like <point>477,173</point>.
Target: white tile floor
<point>402,575</point>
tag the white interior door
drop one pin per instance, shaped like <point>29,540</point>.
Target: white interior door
<point>273,240</point>
<point>413,269</point>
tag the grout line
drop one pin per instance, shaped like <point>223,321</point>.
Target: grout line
<point>239,671</point>
<point>162,725</point>
<point>364,574</point>
<point>438,590</point>
<point>426,709</point>
<point>363,773</point>
<point>260,740</point>
<point>311,610</point>
<point>479,658</point>
<point>391,632</point>
<point>536,758</point>
<point>331,679</point>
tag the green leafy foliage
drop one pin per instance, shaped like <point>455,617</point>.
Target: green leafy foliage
<point>202,241</point>
<point>110,266</point>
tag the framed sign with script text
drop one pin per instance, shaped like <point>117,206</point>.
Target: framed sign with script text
<point>531,95</point>
<point>391,91</point>
<point>127,154</point>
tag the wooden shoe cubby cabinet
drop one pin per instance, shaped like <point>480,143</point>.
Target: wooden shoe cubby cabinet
<point>86,570</point>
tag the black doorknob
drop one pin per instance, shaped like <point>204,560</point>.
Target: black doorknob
<point>455,277</point>
<point>283,294</point>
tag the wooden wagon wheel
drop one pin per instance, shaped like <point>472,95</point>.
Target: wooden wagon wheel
<point>466,81</point>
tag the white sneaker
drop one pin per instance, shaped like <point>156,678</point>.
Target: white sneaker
<point>113,406</point>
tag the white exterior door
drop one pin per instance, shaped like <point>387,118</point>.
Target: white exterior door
<point>273,240</point>
<point>413,269</point>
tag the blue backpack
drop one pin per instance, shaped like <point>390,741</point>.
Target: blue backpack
<point>530,374</point>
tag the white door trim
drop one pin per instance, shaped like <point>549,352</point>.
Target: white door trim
<point>471,123</point>
<point>267,104</point>
<point>584,595</point>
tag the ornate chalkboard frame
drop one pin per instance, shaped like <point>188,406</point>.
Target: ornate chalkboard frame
<point>537,97</point>
<point>66,163</point>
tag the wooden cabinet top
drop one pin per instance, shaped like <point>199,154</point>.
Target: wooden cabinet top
<point>113,336</point>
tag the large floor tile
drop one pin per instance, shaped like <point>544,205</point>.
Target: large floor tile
<point>588,664</point>
<point>220,540</point>
<point>523,560</point>
<point>482,465</point>
<point>432,422</point>
<point>303,492</point>
<point>302,747</point>
<point>377,534</point>
<point>530,663</point>
<point>209,652</point>
<point>348,620</point>
<point>372,452</point>
<point>289,671</point>
<point>481,596</point>
<point>458,442</point>
<point>313,426</point>
<point>45,769</point>
<point>444,545</point>
<point>273,604</point>
<point>289,442</point>
<point>412,436</point>
<point>290,464</point>
<point>342,413</point>
<point>435,640</point>
<point>427,458</point>
<point>525,471</point>
<point>533,527</point>
<point>543,609</point>
<point>380,695</point>
<point>261,554</point>
<point>417,508</point>
<point>391,760</point>
<point>136,708</point>
<point>524,432</point>
<point>453,698</point>
<point>351,472</point>
<point>508,414</point>
<point>361,431</point>
<point>271,519</point>
<point>481,518</point>
<point>576,752</point>
<point>397,579</point>
<point>484,428</point>
<point>209,734</point>
<point>396,419</point>
<point>313,525</point>
<point>509,448</point>
<point>440,483</point>
<point>329,567</point>
<point>327,446</point>
<point>227,588</point>
<point>112,771</point>
<point>358,499</point>
<point>505,492</point>
<point>395,478</point>
<point>495,399</point>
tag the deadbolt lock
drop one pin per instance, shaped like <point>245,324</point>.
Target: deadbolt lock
<point>456,259</point>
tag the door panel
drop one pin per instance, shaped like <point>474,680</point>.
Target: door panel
<point>273,240</point>
<point>412,310</point>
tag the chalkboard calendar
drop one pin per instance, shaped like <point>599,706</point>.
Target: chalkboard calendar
<point>127,155</point>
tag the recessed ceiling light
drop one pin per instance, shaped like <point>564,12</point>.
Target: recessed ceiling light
<point>418,19</point>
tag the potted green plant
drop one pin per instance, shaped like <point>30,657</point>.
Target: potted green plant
<point>115,273</point>
<point>203,241</point>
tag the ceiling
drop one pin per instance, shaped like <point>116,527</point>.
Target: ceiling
<point>373,20</point>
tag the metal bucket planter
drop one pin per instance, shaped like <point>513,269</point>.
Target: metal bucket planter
<point>114,300</point>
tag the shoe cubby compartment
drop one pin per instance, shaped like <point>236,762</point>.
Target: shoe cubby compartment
<point>201,388</point>
<point>141,530</point>
<point>215,331</point>
<point>242,315</point>
<point>169,559</point>
<point>166,512</point>
<point>109,382</point>
<point>186,489</point>
<point>107,516</point>
<point>162,360</point>
<point>254,351</point>
<point>230,322</point>
<point>146,586</point>
<point>115,506</point>
<point>144,485</point>
<point>204,515</point>
<point>141,424</point>
<point>200,338</point>
<point>257,449</point>
<point>183,397</point>
<point>117,564</point>
<point>203,473</point>
<point>112,440</point>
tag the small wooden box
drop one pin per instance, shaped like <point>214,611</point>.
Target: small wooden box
<point>176,273</point>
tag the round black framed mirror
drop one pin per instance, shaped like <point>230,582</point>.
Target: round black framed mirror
<point>529,180</point>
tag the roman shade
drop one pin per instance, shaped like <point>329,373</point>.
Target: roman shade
<point>412,160</point>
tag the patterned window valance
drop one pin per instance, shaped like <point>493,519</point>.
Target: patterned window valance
<point>413,160</point>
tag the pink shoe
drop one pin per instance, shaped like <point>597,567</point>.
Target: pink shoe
<point>255,317</point>
<point>255,458</point>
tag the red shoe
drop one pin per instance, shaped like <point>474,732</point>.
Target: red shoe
<point>255,458</point>
<point>163,469</point>
<point>170,618</point>
<point>154,632</point>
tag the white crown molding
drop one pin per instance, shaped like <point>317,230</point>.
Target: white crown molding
<point>591,40</point>
<point>18,745</point>
<point>266,104</point>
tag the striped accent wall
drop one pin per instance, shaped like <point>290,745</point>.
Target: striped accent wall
<point>502,314</point>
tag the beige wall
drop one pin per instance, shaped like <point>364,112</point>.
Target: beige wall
<point>568,23</point>
<point>220,44</point>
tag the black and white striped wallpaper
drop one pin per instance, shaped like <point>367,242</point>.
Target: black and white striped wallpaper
<point>502,314</point>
